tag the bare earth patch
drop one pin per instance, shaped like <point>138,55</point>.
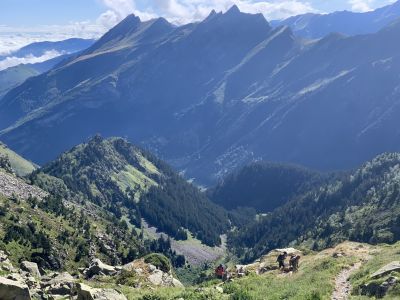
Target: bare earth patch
<point>194,251</point>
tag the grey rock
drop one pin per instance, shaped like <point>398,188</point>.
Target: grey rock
<point>99,268</point>
<point>31,267</point>
<point>152,268</point>
<point>88,293</point>
<point>377,290</point>
<point>156,277</point>
<point>13,290</point>
<point>392,267</point>
<point>59,284</point>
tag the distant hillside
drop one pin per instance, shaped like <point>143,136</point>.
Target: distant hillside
<point>364,206</point>
<point>20,165</point>
<point>344,22</point>
<point>14,76</point>
<point>11,77</point>
<point>132,183</point>
<point>63,47</point>
<point>264,186</point>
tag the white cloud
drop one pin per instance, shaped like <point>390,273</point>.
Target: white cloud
<point>361,5</point>
<point>13,38</point>
<point>12,61</point>
<point>184,11</point>
<point>118,10</point>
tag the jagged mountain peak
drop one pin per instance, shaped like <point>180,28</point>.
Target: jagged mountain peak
<point>128,25</point>
<point>130,30</point>
<point>234,15</point>
<point>234,10</point>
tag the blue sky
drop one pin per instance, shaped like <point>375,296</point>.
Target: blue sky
<point>57,12</point>
<point>26,21</point>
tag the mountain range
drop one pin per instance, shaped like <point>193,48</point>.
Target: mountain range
<point>315,26</point>
<point>211,96</point>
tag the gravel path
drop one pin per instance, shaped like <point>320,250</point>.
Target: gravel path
<point>342,284</point>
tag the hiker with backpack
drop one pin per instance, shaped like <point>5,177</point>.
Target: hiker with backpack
<point>294,262</point>
<point>281,260</point>
<point>220,271</point>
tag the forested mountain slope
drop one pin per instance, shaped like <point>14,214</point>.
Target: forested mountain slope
<point>364,206</point>
<point>265,186</point>
<point>132,183</point>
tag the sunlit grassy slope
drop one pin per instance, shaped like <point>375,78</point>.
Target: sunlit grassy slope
<point>20,165</point>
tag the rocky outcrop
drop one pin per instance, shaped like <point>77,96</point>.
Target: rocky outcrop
<point>389,268</point>
<point>58,284</point>
<point>150,274</point>
<point>30,267</point>
<point>13,290</point>
<point>159,278</point>
<point>379,290</point>
<point>28,282</point>
<point>5,263</point>
<point>10,186</point>
<point>88,293</point>
<point>97,267</point>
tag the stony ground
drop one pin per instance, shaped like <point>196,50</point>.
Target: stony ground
<point>11,185</point>
<point>194,251</point>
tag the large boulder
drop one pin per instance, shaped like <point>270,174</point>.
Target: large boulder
<point>160,278</point>
<point>379,290</point>
<point>156,277</point>
<point>97,267</point>
<point>30,267</point>
<point>88,293</point>
<point>394,266</point>
<point>150,273</point>
<point>58,284</point>
<point>13,290</point>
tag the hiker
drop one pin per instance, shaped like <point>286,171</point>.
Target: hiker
<point>294,262</point>
<point>220,271</point>
<point>240,271</point>
<point>281,260</point>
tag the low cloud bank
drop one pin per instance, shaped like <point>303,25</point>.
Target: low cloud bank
<point>12,61</point>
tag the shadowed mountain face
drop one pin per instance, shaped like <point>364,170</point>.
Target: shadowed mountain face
<point>349,23</point>
<point>265,186</point>
<point>213,95</point>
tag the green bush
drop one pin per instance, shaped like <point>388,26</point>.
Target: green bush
<point>127,278</point>
<point>153,297</point>
<point>241,295</point>
<point>158,260</point>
